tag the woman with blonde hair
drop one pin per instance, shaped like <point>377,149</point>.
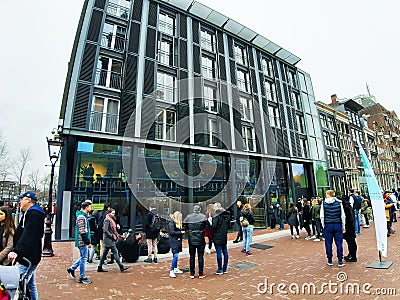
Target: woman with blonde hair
<point>7,230</point>
<point>175,241</point>
<point>247,223</point>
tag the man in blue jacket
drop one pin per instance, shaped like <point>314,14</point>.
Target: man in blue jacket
<point>28,239</point>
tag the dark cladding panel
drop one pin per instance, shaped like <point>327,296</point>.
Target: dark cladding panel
<point>100,4</point>
<point>222,67</point>
<point>153,14</point>
<point>195,28</point>
<point>183,26</point>
<point>134,38</point>
<point>81,106</point>
<point>95,24</point>
<point>183,127</point>
<point>88,62</point>
<point>151,43</point>
<point>148,118</point>
<point>148,77</point>
<point>137,10</point>
<point>220,42</point>
<point>127,109</point>
<point>251,58</point>
<point>130,73</point>
<point>253,80</point>
<point>183,54</point>
<point>183,86</point>
<point>230,47</point>
<point>233,71</point>
<point>196,59</point>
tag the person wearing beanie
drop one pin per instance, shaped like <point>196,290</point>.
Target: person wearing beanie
<point>195,223</point>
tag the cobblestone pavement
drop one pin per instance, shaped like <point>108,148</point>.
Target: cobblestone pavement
<point>294,263</point>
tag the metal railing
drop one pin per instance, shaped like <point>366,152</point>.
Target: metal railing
<point>97,120</point>
<point>113,42</point>
<point>108,79</point>
<point>118,11</point>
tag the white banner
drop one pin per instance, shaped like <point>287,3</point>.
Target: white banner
<point>378,205</point>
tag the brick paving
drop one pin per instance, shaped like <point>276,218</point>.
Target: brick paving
<point>289,262</point>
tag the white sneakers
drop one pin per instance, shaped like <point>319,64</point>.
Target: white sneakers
<point>317,240</point>
<point>177,271</point>
<point>172,274</point>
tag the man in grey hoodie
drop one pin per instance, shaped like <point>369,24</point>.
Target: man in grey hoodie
<point>333,220</point>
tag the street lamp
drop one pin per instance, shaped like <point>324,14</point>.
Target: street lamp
<point>54,147</point>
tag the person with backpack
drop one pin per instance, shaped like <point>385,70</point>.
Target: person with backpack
<point>356,203</point>
<point>152,230</point>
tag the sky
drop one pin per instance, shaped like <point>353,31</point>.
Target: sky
<point>342,44</point>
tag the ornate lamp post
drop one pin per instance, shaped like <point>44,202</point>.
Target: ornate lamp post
<point>54,147</point>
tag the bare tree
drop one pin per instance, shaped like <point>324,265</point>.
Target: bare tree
<point>45,182</point>
<point>34,180</point>
<point>4,158</point>
<point>20,164</point>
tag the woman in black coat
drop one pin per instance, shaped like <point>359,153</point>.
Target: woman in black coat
<point>175,241</point>
<point>307,218</point>
<point>220,225</point>
<point>350,234</point>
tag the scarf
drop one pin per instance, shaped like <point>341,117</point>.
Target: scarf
<point>113,226</point>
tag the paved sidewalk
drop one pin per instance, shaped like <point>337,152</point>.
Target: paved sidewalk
<point>290,262</point>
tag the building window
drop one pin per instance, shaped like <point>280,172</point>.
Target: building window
<point>333,140</point>
<point>327,139</point>
<point>246,109</point>
<point>165,87</point>
<point>296,100</point>
<point>300,124</point>
<point>323,121</point>
<point>274,119</point>
<point>330,123</point>
<point>330,158</point>
<point>248,138</point>
<point>210,99</point>
<point>240,55</point>
<point>213,133</point>
<point>207,68</point>
<point>270,91</point>
<point>113,36</point>
<point>243,81</point>
<point>304,147</point>
<point>292,78</point>
<point>207,40</point>
<point>165,125</point>
<point>266,66</point>
<point>166,23</point>
<point>104,115</point>
<point>119,8</point>
<point>109,73</point>
<point>165,52</point>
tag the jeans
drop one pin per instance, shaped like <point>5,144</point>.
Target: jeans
<point>357,220</point>
<point>81,261</point>
<point>247,235</point>
<point>333,232</point>
<point>30,275</point>
<point>318,225</point>
<point>222,250</point>
<point>200,258</point>
<point>114,251</point>
<point>174,263</point>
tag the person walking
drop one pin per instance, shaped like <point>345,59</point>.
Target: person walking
<point>152,230</point>
<point>28,239</point>
<point>239,207</point>
<point>175,241</point>
<point>293,219</point>
<point>333,220</point>
<point>247,221</point>
<point>220,226</point>
<point>7,231</point>
<point>110,236</point>
<point>350,235</point>
<point>82,242</point>
<point>195,223</point>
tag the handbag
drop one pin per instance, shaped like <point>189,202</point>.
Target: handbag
<point>243,221</point>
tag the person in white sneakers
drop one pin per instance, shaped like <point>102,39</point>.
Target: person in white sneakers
<point>175,241</point>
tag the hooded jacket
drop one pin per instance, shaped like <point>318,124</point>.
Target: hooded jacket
<point>29,234</point>
<point>220,226</point>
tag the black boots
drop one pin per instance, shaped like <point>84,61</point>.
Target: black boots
<point>100,269</point>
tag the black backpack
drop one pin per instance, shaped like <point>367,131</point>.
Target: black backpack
<point>155,223</point>
<point>357,202</point>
